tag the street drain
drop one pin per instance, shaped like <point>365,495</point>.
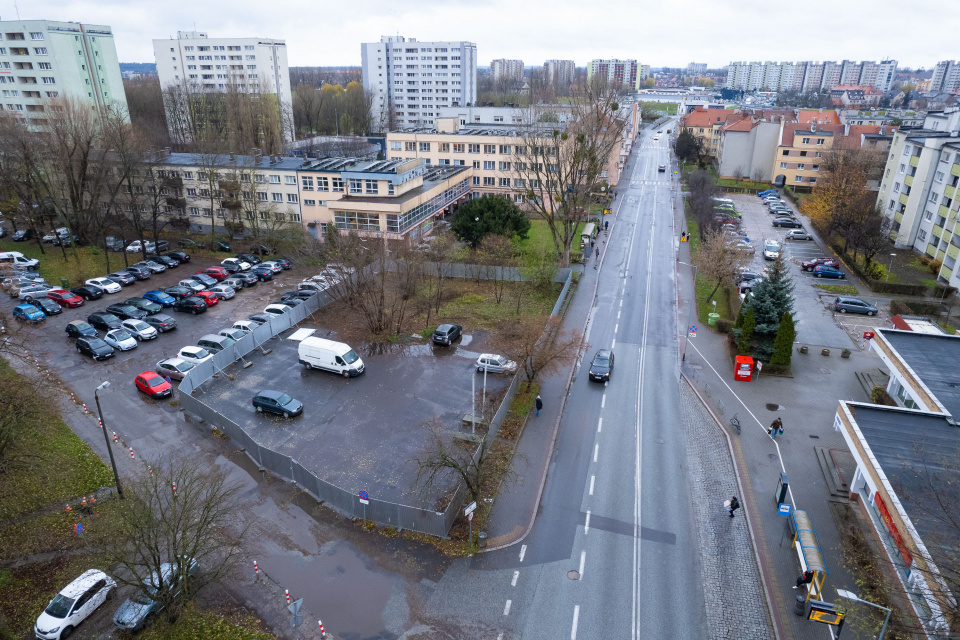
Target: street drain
<point>573,575</point>
<point>773,407</point>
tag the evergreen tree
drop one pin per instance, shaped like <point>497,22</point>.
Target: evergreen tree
<point>746,332</point>
<point>783,344</point>
<point>769,300</point>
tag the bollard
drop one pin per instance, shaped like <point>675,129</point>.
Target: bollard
<point>287,591</point>
<point>93,499</point>
<point>85,410</point>
<point>174,488</point>
<point>149,469</point>
<point>323,634</point>
<point>115,437</point>
<point>131,452</point>
<point>800,607</point>
<point>256,571</point>
<point>482,539</point>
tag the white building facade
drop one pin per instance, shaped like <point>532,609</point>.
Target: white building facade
<point>250,65</point>
<point>616,72</point>
<point>42,60</point>
<point>807,76</point>
<point>408,80</point>
<point>560,72</point>
<point>501,68</point>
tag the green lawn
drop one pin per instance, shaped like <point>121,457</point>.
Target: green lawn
<point>669,108</point>
<point>539,241</point>
<point>743,184</point>
<point>842,289</point>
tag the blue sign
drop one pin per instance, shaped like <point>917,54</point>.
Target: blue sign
<point>784,509</point>
<point>364,495</point>
<point>692,328</point>
<point>78,527</point>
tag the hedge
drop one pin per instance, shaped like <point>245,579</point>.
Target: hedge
<point>879,395</point>
<point>915,308</point>
<point>879,286</point>
<point>724,325</point>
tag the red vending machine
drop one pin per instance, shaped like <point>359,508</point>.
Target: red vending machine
<point>744,369</point>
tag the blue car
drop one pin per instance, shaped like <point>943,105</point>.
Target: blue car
<point>768,192</point>
<point>160,298</point>
<point>823,271</point>
<point>29,313</point>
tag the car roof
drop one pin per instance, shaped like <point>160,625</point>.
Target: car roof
<point>851,299</point>
<point>83,582</point>
<point>603,352</point>
<point>269,393</point>
<point>172,361</point>
<point>446,326</point>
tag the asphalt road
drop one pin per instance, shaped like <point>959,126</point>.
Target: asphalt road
<point>616,508</point>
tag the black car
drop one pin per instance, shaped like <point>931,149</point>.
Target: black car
<point>144,305</point>
<point>299,294</point>
<point>178,292</point>
<point>161,322</point>
<point>262,273</point>
<point>230,268</point>
<point>602,365</point>
<point>204,279</point>
<point>94,347</point>
<point>122,278</point>
<point>165,260</point>
<point>187,243</point>
<point>23,235</point>
<point>277,402</point>
<point>193,304</point>
<point>284,262</point>
<point>787,223</point>
<point>105,321</point>
<point>290,302</point>
<point>48,306</point>
<point>79,328</point>
<point>445,334</point>
<point>126,312</point>
<point>259,249</point>
<point>179,256</point>
<point>220,245</point>
<point>261,318</point>
<point>88,292</point>
<point>140,273</point>
<point>246,257</point>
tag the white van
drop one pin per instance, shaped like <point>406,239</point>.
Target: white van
<point>318,353</point>
<point>17,260</point>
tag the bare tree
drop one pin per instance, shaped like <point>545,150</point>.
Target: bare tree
<point>498,254</point>
<point>439,251</point>
<point>307,105</point>
<point>719,260</point>
<point>145,103</point>
<point>540,345</point>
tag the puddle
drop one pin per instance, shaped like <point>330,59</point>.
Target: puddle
<point>774,407</point>
<point>337,584</point>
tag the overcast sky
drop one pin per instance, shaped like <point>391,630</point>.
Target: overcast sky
<point>661,33</point>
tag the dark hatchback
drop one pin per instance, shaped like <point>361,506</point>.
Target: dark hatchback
<point>161,322</point>
<point>140,273</point>
<point>88,292</point>
<point>246,257</point>
<point>95,348</point>
<point>277,402</point>
<point>446,334</point>
<point>48,306</point>
<point>284,262</point>
<point>105,321</point>
<point>204,279</point>
<point>126,312</point>
<point>178,292</point>
<point>79,328</point>
<point>180,256</point>
<point>192,304</point>
<point>248,279</point>
<point>823,271</point>
<point>166,261</point>
<point>144,305</point>
<point>262,273</point>
<point>602,366</point>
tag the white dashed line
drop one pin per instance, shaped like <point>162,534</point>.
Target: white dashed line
<point>599,422</point>
<point>603,400</point>
<point>516,574</point>
<point>616,327</point>
<point>614,343</point>
<point>506,608</point>
<point>583,559</point>
<point>576,617</point>
<point>523,552</point>
<point>586,526</point>
<point>592,478</point>
<point>596,450</point>
<point>618,314</point>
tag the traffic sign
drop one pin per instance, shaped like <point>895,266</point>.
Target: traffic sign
<point>78,528</point>
<point>470,516</point>
<point>692,328</point>
<point>470,508</point>
<point>784,509</point>
<point>294,606</point>
<point>364,497</point>
<point>868,335</point>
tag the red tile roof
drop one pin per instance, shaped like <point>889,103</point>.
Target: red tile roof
<point>824,116</point>
<point>843,138</point>
<point>701,117</point>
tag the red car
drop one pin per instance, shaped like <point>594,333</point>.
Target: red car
<point>219,273</point>
<point>810,265</point>
<point>153,384</point>
<point>209,297</point>
<point>65,298</point>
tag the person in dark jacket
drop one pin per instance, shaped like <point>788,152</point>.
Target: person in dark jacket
<point>539,404</point>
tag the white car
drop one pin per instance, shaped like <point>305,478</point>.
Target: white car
<point>192,284</point>
<point>277,309</point>
<point>247,326</point>
<point>223,291</point>
<point>139,329</point>
<point>771,249</point>
<point>106,284</point>
<point>273,266</point>
<point>121,339</point>
<point>494,363</point>
<point>135,247</point>
<point>238,263</point>
<point>74,604</point>
<point>196,355</point>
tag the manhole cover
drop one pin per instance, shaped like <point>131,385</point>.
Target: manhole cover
<point>773,407</point>
<point>573,575</point>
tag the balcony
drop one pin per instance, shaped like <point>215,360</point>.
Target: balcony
<point>955,170</point>
<point>946,273</point>
<point>950,192</point>
<point>931,250</point>
<point>953,251</point>
<point>908,180</point>
<point>943,211</point>
<point>914,161</point>
<point>940,255</point>
<point>898,216</point>
<point>903,198</point>
<point>937,231</point>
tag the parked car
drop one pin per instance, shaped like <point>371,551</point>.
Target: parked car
<point>205,279</point>
<point>767,192</point>
<point>209,297</point>
<point>302,294</point>
<point>159,297</point>
<point>194,354</point>
<point>259,250</point>
<point>223,291</point>
<point>74,604</point>
<point>135,247</point>
<point>180,256</point>
<point>48,306</point>
<point>745,276</point>
<point>139,329</point>
<point>808,265</point>
<point>493,363</point>
<point>139,273</point>
<point>107,284</point>
<point>167,261</point>
<point>286,263</point>
<point>124,311</point>
<point>247,326</point>
<point>193,304</point>
<point>798,234</point>
<point>272,265</point>
<point>94,347</point>
<point>88,292</point>
<point>788,223</point>
<point>174,368</point>
<point>120,339</point>
<point>161,322</point>
<point>193,285</point>
<point>249,258</point>
<point>77,328</point>
<point>23,235</point>
<point>235,283</point>
<point>445,334</point>
<point>743,246</point>
<point>35,290</point>
<point>277,309</point>
<point>29,313</point>
<point>215,343</point>
<point>220,245</point>
<point>601,368</point>
<point>261,318</point>
<point>156,386</point>
<point>661,168</point>
<point>277,402</point>
<point>102,320</point>
<point>178,292</point>
<point>845,304</point>
<point>241,265</point>
<point>151,266</point>
<point>262,273</point>
<point>188,243</point>
<point>217,273</point>
<point>248,279</point>
<point>134,612</point>
<point>144,305</point>
<point>771,249</point>
<point>230,269</point>
<point>747,285</point>
<point>122,278</point>
<point>823,271</point>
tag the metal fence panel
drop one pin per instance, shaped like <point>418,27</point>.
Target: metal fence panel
<point>338,498</point>
<point>276,462</point>
<point>304,478</point>
<point>563,295</point>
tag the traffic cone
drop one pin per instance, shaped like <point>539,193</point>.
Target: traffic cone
<point>83,502</point>
<point>93,499</point>
<point>69,509</point>
<point>256,571</point>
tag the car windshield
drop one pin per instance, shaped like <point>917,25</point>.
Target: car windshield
<point>350,357</point>
<point>140,326</point>
<point>201,353</point>
<point>155,382</point>
<point>97,343</point>
<point>143,599</point>
<point>121,335</point>
<point>284,400</point>
<point>59,607</point>
<point>601,361</point>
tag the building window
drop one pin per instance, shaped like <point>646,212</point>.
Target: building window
<point>192,193</point>
<point>360,221</point>
<point>940,176</point>
<point>337,184</point>
<point>396,145</point>
<point>36,35</point>
<point>444,147</point>
<point>504,166</point>
<point>458,147</point>
<point>262,196</point>
<point>476,164</point>
<point>40,51</point>
<point>277,197</point>
<point>409,146</point>
<point>801,167</point>
<point>921,235</point>
<point>390,189</point>
<point>489,165</point>
<point>291,179</point>
<point>476,181</point>
<point>786,152</point>
<point>798,179</point>
<point>519,183</point>
<point>293,198</point>
<point>489,182</point>
<point>896,187</point>
<point>473,148</point>
<point>295,217</point>
<point>820,141</point>
<point>806,141</point>
<point>371,186</point>
<point>489,148</point>
<point>816,167</point>
<point>812,180</point>
<point>505,149</point>
<point>194,211</point>
<point>504,182</point>
<point>783,165</point>
<point>307,183</point>
<point>356,185</point>
<point>424,146</point>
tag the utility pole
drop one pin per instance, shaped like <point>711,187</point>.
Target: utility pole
<point>113,463</point>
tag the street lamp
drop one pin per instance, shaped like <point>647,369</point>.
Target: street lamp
<point>113,463</point>
<point>849,595</point>
<point>890,266</point>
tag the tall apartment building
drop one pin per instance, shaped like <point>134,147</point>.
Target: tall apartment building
<point>560,72</point>
<point>946,76</point>
<point>501,68</point>
<point>43,59</point>
<point>409,79</point>
<point>616,72</point>
<point>696,68</point>
<point>809,76</point>
<point>200,64</point>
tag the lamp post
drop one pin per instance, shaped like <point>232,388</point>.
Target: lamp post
<point>849,595</point>
<point>693,304</point>
<point>890,266</point>
<point>113,463</point>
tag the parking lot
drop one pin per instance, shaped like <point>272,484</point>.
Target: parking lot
<point>816,322</point>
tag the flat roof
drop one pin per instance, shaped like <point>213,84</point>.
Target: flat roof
<point>934,359</point>
<point>432,177</point>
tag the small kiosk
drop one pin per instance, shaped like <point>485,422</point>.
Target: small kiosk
<point>743,369</point>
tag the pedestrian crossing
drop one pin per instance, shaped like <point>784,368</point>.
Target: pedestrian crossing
<point>641,182</point>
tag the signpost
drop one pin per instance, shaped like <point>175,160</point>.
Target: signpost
<point>784,509</point>
<point>693,330</point>
<point>364,500</point>
<point>468,511</point>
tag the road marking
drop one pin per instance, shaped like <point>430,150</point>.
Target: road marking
<point>614,343</point>
<point>619,312</point>
<point>506,608</point>
<point>576,617</point>
<point>583,559</point>
<point>586,526</point>
<point>621,302</point>
<point>592,478</point>
<point>596,450</point>
<point>516,574</point>
<point>599,422</point>
<point>523,552</point>
<point>603,400</point>
<point>500,636</point>
<point>616,327</point>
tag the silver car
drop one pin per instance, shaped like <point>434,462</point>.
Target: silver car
<point>174,368</point>
<point>139,329</point>
<point>121,339</point>
<point>223,291</point>
<point>494,363</point>
<point>798,234</point>
<point>154,267</point>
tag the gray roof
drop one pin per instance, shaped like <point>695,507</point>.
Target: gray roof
<point>288,163</point>
<point>915,449</point>
<point>933,359</point>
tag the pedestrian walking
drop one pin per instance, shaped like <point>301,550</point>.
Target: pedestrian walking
<point>806,578</point>
<point>591,243</point>
<point>776,427</point>
<point>539,404</point>
<point>731,505</point>
<point>598,252</point>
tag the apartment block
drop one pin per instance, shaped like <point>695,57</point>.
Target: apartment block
<point>946,77</point>
<point>616,72</point>
<point>802,147</point>
<point>560,72</point>
<point>706,124</point>
<point>200,64</point>
<point>809,76</point>
<point>503,69</point>
<point>409,80</point>
<point>697,68</point>
<point>42,60</point>
<point>748,146</point>
<point>918,189</point>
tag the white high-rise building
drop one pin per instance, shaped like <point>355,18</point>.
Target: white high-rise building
<point>697,68</point>
<point>42,60</point>
<point>408,80</point>
<point>506,69</point>
<point>560,72</point>
<point>807,76</point>
<point>616,72</point>
<point>200,64</point>
<point>885,75</point>
<point>946,76</point>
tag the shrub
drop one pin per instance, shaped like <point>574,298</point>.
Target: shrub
<point>925,260</point>
<point>934,266</point>
<point>899,308</point>
<point>942,291</point>
<point>724,325</point>
<point>879,395</point>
